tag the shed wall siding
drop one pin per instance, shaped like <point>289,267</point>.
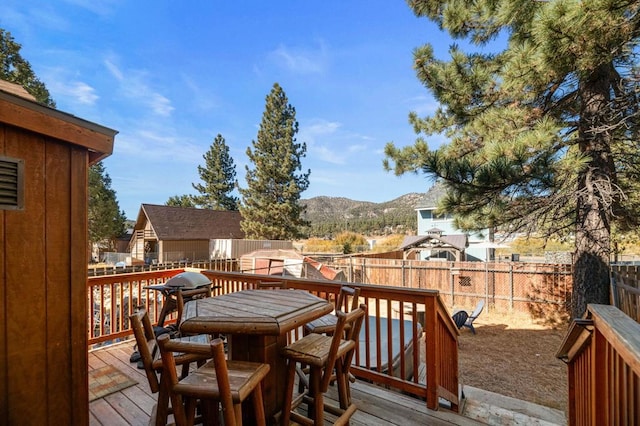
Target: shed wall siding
<point>173,251</point>
<point>43,330</point>
<point>235,248</point>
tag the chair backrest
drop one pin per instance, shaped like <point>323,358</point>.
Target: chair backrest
<point>216,349</point>
<point>459,318</point>
<point>270,285</point>
<point>348,294</point>
<point>476,312</point>
<point>147,345</point>
<point>181,295</point>
<point>353,333</point>
<point>344,340</point>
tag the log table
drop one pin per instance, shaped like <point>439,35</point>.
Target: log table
<point>256,323</point>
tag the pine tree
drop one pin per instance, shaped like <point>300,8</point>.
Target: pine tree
<point>271,206</point>
<point>180,201</point>
<point>542,134</point>
<point>219,177</point>
<point>106,221</point>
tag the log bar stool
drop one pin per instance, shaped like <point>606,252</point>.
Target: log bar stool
<point>327,323</point>
<point>218,381</point>
<point>150,357</point>
<point>323,354</point>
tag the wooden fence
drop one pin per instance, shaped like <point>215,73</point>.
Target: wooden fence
<point>537,288</point>
<point>625,290</point>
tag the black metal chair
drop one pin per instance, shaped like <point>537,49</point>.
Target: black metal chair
<point>460,318</point>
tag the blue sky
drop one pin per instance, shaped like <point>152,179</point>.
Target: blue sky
<point>170,75</point>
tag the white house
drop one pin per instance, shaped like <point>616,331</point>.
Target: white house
<point>438,239</point>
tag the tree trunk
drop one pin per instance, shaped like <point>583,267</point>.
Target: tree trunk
<point>591,271</point>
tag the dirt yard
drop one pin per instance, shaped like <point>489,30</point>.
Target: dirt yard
<point>513,356</point>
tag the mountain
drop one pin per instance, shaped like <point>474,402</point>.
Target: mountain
<point>329,215</point>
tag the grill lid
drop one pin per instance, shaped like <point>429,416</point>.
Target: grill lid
<point>188,280</point>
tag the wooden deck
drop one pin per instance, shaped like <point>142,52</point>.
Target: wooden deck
<point>376,405</point>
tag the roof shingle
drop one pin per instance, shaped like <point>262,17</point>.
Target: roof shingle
<point>181,223</point>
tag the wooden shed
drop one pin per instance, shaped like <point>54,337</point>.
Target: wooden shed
<point>44,160</point>
<point>170,234</point>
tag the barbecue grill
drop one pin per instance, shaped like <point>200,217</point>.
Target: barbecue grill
<point>192,285</point>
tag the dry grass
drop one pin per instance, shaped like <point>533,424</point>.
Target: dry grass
<point>514,356</point>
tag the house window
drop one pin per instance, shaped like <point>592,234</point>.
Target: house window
<point>441,216</point>
<point>11,183</point>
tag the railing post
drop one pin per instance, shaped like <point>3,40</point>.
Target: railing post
<point>431,352</point>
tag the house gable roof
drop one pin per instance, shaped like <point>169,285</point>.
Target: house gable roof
<point>182,223</point>
<point>457,241</point>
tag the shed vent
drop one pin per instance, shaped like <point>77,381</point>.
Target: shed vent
<point>11,183</point>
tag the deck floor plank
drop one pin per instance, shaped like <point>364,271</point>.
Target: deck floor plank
<point>128,409</point>
<point>376,405</point>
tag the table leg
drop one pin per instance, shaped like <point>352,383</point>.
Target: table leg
<point>264,349</point>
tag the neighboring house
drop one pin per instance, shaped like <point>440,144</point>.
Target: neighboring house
<point>169,234</point>
<point>438,239</point>
<point>98,253</point>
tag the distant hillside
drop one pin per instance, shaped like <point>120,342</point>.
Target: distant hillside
<point>331,215</point>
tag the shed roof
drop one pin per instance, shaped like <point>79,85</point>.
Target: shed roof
<point>20,109</point>
<point>182,223</point>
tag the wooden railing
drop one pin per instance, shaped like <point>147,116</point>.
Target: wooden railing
<point>431,344</point>
<point>111,299</point>
<point>602,351</point>
<point>420,337</point>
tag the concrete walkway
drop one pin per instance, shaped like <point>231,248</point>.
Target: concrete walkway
<point>495,409</point>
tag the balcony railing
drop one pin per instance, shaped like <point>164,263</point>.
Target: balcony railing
<point>111,299</point>
<point>409,327</point>
<point>602,352</point>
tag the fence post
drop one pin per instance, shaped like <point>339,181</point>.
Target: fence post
<point>511,284</point>
<point>452,282</point>
<point>486,283</point>
<point>365,272</point>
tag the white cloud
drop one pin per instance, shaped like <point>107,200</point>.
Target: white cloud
<point>300,60</point>
<point>357,148</point>
<point>422,105</point>
<point>160,104</point>
<point>199,96</point>
<point>99,7</point>
<point>323,153</point>
<point>322,127</point>
<point>81,92</point>
<point>134,86</point>
<point>114,70</point>
<point>326,141</point>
